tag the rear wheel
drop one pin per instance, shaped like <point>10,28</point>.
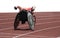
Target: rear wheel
<point>31,21</point>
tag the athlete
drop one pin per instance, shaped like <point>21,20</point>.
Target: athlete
<point>22,15</point>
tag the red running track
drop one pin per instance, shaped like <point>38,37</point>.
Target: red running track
<point>47,26</point>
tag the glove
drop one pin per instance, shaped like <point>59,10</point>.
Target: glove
<point>15,8</point>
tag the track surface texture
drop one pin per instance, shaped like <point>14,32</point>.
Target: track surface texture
<point>47,26</point>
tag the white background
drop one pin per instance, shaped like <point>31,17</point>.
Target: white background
<point>41,5</point>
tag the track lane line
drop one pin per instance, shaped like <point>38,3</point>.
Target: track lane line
<point>36,31</point>
<point>40,36</point>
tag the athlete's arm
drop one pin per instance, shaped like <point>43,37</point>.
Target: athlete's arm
<point>19,7</point>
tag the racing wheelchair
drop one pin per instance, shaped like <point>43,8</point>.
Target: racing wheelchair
<point>23,16</point>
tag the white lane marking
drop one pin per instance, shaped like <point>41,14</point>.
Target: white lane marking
<point>58,37</point>
<point>35,31</point>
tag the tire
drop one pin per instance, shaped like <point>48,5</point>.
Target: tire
<point>31,21</point>
<point>16,22</point>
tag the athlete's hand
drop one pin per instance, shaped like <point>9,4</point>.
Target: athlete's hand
<point>15,8</point>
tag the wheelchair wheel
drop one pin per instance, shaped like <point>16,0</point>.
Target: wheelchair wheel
<point>31,21</point>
